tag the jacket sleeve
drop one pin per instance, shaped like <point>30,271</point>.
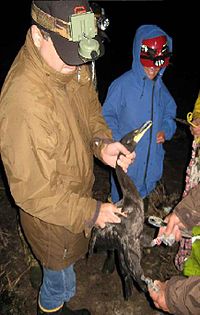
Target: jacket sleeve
<point>183,295</point>
<point>169,124</point>
<point>188,209</point>
<point>100,131</point>
<point>196,111</point>
<point>111,109</point>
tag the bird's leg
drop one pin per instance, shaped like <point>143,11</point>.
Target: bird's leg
<point>109,263</point>
<point>127,280</point>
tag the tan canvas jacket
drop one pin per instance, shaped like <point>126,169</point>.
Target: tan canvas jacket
<point>188,210</point>
<point>196,111</point>
<point>182,293</point>
<point>48,122</point>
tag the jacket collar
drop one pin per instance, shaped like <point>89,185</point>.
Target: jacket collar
<point>81,76</point>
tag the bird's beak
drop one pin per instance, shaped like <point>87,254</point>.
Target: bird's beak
<point>139,133</point>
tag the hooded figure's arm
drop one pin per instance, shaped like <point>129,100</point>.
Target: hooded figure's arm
<point>169,124</point>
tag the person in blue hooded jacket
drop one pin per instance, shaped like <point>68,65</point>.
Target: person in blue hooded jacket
<point>139,95</point>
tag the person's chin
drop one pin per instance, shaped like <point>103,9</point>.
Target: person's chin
<point>68,69</point>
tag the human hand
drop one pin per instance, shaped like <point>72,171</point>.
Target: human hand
<point>174,226</point>
<point>110,153</point>
<point>195,131</point>
<point>158,297</point>
<point>160,137</point>
<point>108,214</point>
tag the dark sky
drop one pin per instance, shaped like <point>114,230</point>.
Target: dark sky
<point>181,23</point>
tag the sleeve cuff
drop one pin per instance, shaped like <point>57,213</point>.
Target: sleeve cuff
<point>98,144</point>
<point>90,223</point>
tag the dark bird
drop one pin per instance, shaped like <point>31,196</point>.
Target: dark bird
<point>125,237</point>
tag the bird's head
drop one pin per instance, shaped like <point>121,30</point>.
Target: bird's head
<point>131,139</point>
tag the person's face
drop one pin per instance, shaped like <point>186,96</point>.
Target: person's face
<point>49,54</point>
<point>151,72</point>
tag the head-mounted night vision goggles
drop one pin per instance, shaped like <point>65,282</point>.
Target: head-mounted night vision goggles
<point>81,28</point>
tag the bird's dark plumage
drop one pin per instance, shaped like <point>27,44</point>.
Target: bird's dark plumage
<point>125,236</point>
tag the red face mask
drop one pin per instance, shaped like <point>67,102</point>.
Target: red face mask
<point>155,52</point>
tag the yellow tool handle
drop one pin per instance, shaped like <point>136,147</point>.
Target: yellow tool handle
<point>189,119</point>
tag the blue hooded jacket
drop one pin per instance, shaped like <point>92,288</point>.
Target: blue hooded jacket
<point>132,99</point>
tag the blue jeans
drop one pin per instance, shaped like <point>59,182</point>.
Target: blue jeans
<point>57,287</point>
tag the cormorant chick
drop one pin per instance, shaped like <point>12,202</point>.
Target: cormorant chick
<point>125,237</point>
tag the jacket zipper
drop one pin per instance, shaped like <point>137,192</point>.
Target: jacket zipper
<point>150,141</point>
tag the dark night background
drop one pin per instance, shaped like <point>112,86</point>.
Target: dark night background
<point>181,23</point>
<point>103,294</point>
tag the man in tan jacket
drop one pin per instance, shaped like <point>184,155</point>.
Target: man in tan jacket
<point>51,126</point>
<point>180,295</point>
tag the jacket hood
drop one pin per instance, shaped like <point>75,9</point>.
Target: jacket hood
<point>144,32</point>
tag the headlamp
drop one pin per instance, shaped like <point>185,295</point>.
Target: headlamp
<point>99,12</point>
<point>103,23</point>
